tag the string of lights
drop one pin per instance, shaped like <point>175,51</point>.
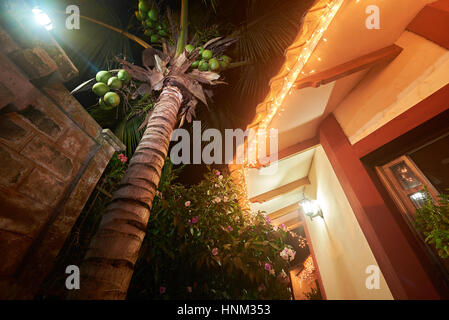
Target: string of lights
<point>302,60</point>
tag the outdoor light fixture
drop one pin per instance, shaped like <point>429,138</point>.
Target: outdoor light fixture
<point>311,208</point>
<point>42,18</point>
<point>419,199</point>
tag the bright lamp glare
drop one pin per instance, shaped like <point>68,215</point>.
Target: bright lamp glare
<point>418,196</point>
<point>42,18</point>
<point>310,206</point>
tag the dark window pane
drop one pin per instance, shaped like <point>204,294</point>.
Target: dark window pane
<point>405,176</point>
<point>433,161</point>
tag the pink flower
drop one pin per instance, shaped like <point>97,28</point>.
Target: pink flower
<point>229,228</point>
<point>187,203</point>
<point>162,290</point>
<point>122,157</point>
<point>189,289</point>
<point>267,219</point>
<point>288,254</point>
<point>195,220</point>
<point>267,266</point>
<point>283,227</point>
<point>214,251</point>
<point>217,173</point>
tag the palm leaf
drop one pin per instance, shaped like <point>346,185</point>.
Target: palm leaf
<point>128,132</point>
<point>271,27</point>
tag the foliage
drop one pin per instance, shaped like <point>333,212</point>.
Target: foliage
<point>433,220</point>
<point>153,24</point>
<point>126,120</point>
<point>200,244</point>
<point>270,27</point>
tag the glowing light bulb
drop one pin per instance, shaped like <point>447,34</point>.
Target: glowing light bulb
<point>42,18</point>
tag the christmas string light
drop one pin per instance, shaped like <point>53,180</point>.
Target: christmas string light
<point>274,104</point>
<point>308,273</point>
<point>302,60</point>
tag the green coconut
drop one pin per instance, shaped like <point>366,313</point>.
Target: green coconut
<point>112,99</point>
<point>100,89</point>
<point>103,76</point>
<point>114,83</point>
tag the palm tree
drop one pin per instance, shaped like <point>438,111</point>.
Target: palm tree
<point>108,265</point>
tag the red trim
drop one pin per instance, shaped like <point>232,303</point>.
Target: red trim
<point>432,23</point>
<point>312,253</point>
<point>395,255</point>
<point>410,119</point>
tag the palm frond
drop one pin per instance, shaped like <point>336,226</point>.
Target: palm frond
<point>212,3</point>
<point>271,27</point>
<point>128,132</point>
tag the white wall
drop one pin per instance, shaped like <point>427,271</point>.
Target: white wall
<point>341,250</point>
<point>419,71</point>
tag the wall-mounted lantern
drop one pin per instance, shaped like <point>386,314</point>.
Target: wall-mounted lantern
<point>311,208</point>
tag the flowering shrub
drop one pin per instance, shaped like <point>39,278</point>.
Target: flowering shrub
<point>200,244</point>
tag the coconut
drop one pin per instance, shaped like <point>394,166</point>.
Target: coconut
<point>114,83</point>
<point>103,105</point>
<point>103,76</point>
<point>226,59</point>
<point>189,48</point>
<point>123,76</point>
<point>100,89</point>
<point>112,99</point>
<point>203,65</point>
<point>214,65</point>
<point>207,54</point>
<point>144,6</point>
<point>152,14</point>
<point>195,64</point>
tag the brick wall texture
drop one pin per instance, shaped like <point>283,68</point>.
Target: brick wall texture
<point>52,154</point>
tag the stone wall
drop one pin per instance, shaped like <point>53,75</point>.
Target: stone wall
<point>52,154</point>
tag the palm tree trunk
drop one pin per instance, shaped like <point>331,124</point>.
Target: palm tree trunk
<point>109,263</point>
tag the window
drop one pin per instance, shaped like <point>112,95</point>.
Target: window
<point>405,183</point>
<point>406,177</point>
